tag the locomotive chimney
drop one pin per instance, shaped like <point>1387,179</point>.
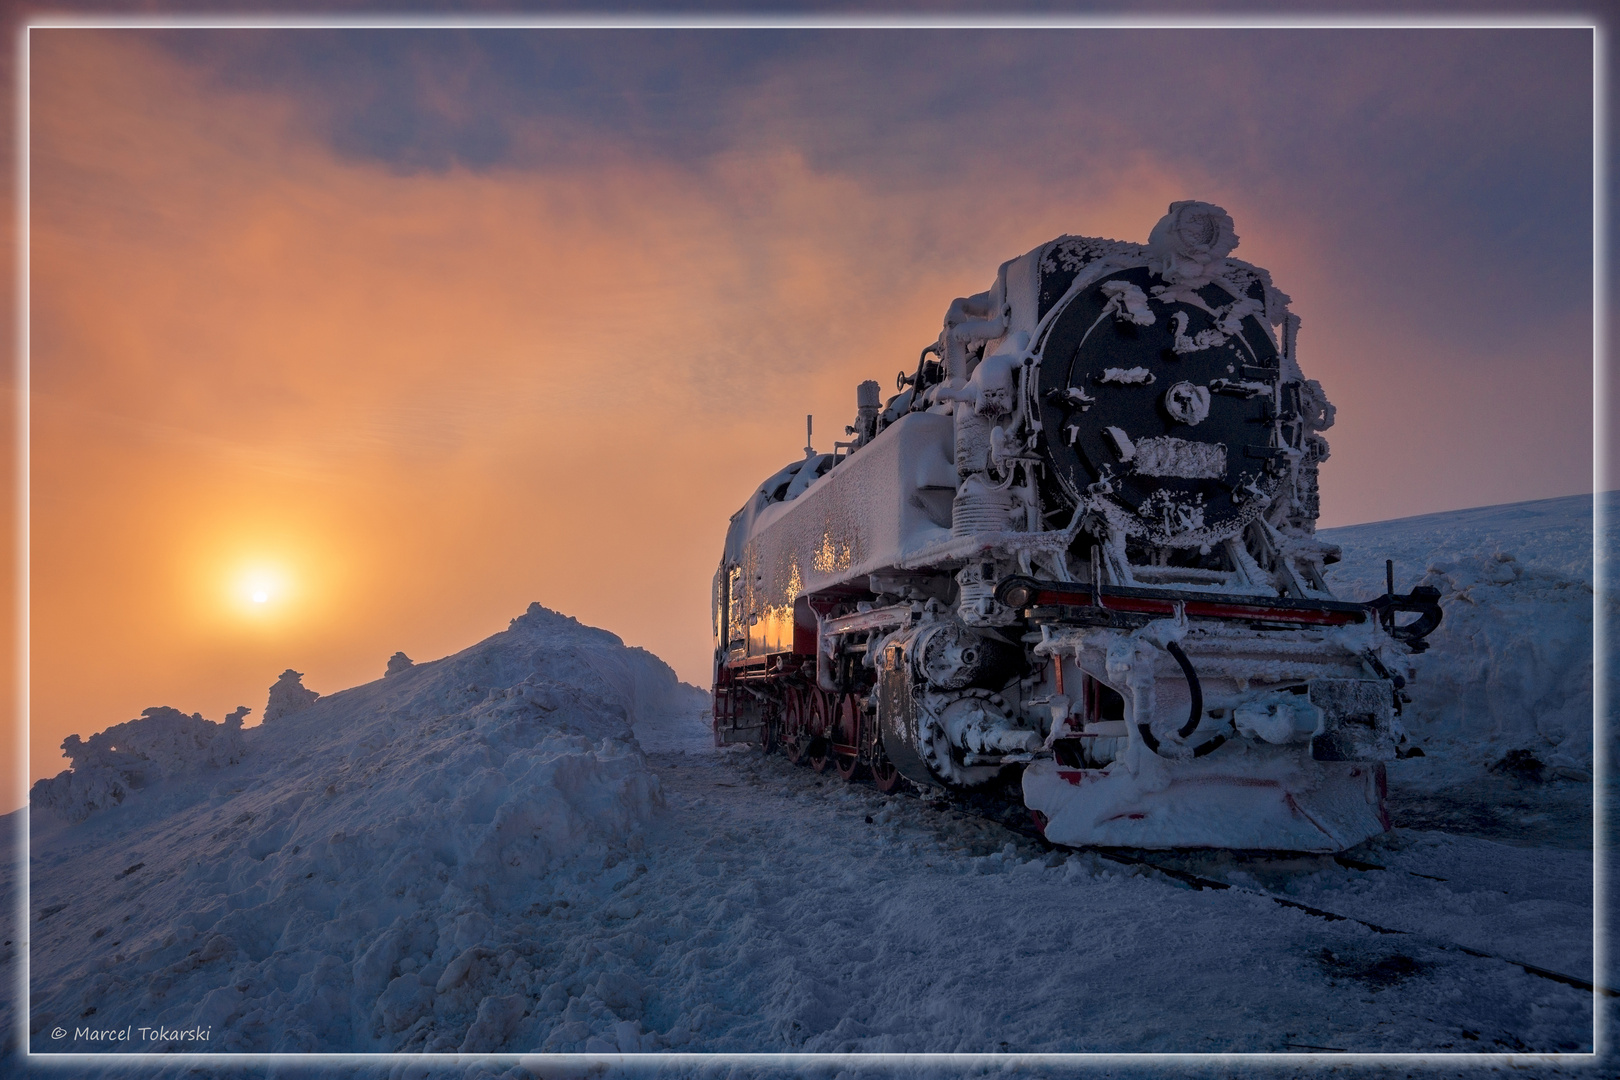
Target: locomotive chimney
<point>868,403</point>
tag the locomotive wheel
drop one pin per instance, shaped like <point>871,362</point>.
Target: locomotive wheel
<point>770,736</point>
<point>794,735</point>
<point>847,732</point>
<point>885,777</point>
<point>820,716</point>
<point>820,752</point>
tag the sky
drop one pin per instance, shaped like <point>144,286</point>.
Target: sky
<point>407,329</point>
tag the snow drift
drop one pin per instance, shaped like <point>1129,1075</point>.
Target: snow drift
<point>342,874</point>
<point>1510,668</point>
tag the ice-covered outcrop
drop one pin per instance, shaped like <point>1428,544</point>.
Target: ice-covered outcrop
<point>288,695</point>
<point>163,742</point>
<point>399,662</point>
<point>371,876</point>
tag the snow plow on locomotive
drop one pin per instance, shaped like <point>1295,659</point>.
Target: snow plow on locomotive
<point>1079,543</point>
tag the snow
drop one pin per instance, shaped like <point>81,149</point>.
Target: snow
<point>1136,376</point>
<point>337,886</point>
<point>1166,455</point>
<point>534,846</point>
<point>1128,303</point>
<point>289,695</point>
<point>164,742</point>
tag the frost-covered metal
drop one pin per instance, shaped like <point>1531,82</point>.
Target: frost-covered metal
<point>1080,543</point>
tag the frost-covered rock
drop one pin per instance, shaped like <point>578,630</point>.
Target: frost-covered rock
<point>399,662</point>
<point>164,742</point>
<point>288,695</point>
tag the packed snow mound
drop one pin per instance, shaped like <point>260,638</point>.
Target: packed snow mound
<point>164,742</point>
<point>1510,667</point>
<point>342,886</point>
<point>639,681</point>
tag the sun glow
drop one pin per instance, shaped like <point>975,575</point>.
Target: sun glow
<point>244,574</point>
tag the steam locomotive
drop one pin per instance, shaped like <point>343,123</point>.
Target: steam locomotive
<point>1079,544</point>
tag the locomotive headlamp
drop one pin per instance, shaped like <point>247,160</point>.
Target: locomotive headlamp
<point>1018,594</point>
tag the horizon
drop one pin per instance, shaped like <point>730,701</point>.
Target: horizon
<point>390,329</point>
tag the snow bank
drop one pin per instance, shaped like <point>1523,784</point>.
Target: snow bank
<point>362,878</point>
<point>1510,668</point>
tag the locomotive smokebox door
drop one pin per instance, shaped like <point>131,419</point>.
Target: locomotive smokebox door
<point>898,715</point>
<point>1163,400</point>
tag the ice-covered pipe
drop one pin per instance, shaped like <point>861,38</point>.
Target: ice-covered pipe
<point>981,732</point>
<point>826,678</point>
<point>970,318</point>
<point>1193,688</point>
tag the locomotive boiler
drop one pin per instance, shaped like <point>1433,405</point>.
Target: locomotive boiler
<point>1079,545</point>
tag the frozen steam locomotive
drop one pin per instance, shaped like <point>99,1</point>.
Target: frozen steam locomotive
<point>1079,545</point>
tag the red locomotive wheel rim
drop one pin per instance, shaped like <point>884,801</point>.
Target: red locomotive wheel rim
<point>819,720</point>
<point>847,731</point>
<point>793,725</point>
<point>770,736</point>
<point>820,713</point>
<point>820,752</point>
<point>885,777</point>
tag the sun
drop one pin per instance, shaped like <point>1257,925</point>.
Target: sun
<point>259,579</point>
<point>260,589</point>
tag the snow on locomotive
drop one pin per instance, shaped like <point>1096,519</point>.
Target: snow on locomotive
<point>1080,542</point>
